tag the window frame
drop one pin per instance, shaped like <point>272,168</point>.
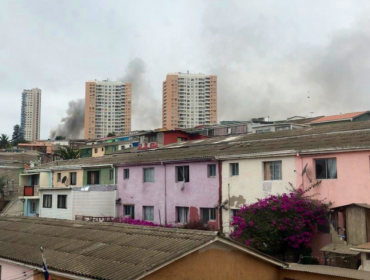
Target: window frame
<point>59,177</point>
<point>187,210</point>
<point>44,201</point>
<point>88,181</point>
<point>209,170</point>
<point>111,174</point>
<point>65,201</point>
<point>232,169</point>
<point>211,212</point>
<point>132,210</point>
<point>144,213</point>
<point>126,174</point>
<point>326,167</point>
<point>33,203</point>
<point>144,178</point>
<point>184,167</point>
<point>272,163</point>
<point>70,178</point>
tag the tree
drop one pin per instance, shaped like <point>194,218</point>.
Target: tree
<point>111,134</point>
<point>18,135</point>
<point>60,137</point>
<point>66,152</point>
<point>280,222</point>
<point>4,141</point>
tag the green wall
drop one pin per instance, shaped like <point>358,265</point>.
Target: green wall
<point>110,149</point>
<point>103,175</point>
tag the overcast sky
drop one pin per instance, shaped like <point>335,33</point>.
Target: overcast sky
<point>270,56</point>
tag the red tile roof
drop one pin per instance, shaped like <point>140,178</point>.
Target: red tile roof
<point>339,117</point>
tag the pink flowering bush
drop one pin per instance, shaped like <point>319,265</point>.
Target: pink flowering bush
<point>279,222</point>
<point>127,220</point>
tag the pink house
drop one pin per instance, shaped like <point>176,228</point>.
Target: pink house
<point>172,193</point>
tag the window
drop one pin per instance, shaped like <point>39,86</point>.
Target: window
<point>59,177</point>
<point>212,170</point>
<point>111,174</point>
<point>148,213</point>
<point>272,170</point>
<point>234,169</point>
<point>96,150</point>
<point>234,212</point>
<point>62,201</point>
<point>92,177</point>
<point>102,149</point>
<point>326,168</point>
<point>148,175</point>
<point>47,201</point>
<point>182,139</point>
<point>72,178</point>
<point>182,214</point>
<point>182,173</point>
<point>129,210</point>
<point>208,214</point>
<point>126,174</point>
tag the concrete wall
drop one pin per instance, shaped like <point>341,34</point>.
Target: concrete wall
<point>94,203</point>
<point>13,271</point>
<point>249,185</point>
<point>54,211</point>
<point>100,151</point>
<point>79,178</point>
<point>217,261</point>
<point>11,174</point>
<point>200,191</point>
<point>45,179</point>
<point>300,275</point>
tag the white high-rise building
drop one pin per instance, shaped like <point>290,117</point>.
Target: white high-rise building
<point>107,108</point>
<point>189,100</point>
<point>31,114</point>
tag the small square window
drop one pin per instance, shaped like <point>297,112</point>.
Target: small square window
<point>59,177</point>
<point>96,150</point>
<point>208,214</point>
<point>326,168</point>
<point>234,169</point>
<point>129,210</point>
<point>111,174</point>
<point>73,178</point>
<point>182,214</point>
<point>62,201</point>
<point>272,170</point>
<point>148,175</point>
<point>212,170</point>
<point>126,174</point>
<point>182,173</point>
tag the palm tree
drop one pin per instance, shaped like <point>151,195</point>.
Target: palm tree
<point>67,152</point>
<point>4,141</point>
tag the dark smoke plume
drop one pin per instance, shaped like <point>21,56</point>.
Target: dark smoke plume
<point>72,126</point>
<point>146,110</point>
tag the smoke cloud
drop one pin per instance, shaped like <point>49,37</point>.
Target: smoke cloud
<point>146,109</point>
<point>264,70</point>
<point>72,126</point>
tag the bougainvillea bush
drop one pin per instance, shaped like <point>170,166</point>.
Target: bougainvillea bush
<point>279,222</point>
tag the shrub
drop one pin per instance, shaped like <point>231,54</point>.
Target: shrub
<point>196,224</point>
<point>130,221</point>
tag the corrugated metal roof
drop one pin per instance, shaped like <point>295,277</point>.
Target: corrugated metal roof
<point>338,117</point>
<point>339,249</point>
<point>331,271</point>
<point>365,246</point>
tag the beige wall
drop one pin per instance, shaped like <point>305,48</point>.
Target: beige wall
<point>90,100</point>
<point>213,99</point>
<point>217,261</point>
<point>170,92</point>
<point>128,91</point>
<point>79,179</point>
<point>99,151</point>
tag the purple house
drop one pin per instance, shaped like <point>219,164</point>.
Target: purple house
<point>170,192</point>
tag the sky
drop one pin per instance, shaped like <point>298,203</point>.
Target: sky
<point>272,58</point>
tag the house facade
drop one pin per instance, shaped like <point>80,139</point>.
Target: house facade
<point>172,193</point>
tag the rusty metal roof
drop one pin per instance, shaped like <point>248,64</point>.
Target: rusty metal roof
<point>331,271</point>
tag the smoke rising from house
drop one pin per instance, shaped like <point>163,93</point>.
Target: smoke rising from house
<point>72,126</point>
<point>262,71</point>
<point>146,109</point>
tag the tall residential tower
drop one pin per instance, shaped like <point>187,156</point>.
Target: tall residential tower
<point>189,100</point>
<point>31,114</point>
<point>107,108</point>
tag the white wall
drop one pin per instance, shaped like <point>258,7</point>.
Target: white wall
<point>55,212</point>
<point>13,271</point>
<point>94,203</point>
<point>249,185</point>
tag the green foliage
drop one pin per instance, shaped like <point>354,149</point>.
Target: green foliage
<point>66,152</point>
<point>4,141</point>
<point>18,135</point>
<point>3,180</point>
<point>196,224</point>
<point>111,134</point>
<point>60,137</point>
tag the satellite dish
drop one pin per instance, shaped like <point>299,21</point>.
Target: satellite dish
<point>64,180</point>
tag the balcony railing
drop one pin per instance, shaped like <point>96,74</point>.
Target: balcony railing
<point>28,190</point>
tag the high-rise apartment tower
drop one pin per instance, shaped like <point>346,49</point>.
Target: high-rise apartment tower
<point>31,114</point>
<point>107,108</point>
<point>189,100</point>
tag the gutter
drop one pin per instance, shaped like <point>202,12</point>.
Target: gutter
<point>360,250</point>
<point>53,272</point>
<point>209,158</point>
<point>257,155</point>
